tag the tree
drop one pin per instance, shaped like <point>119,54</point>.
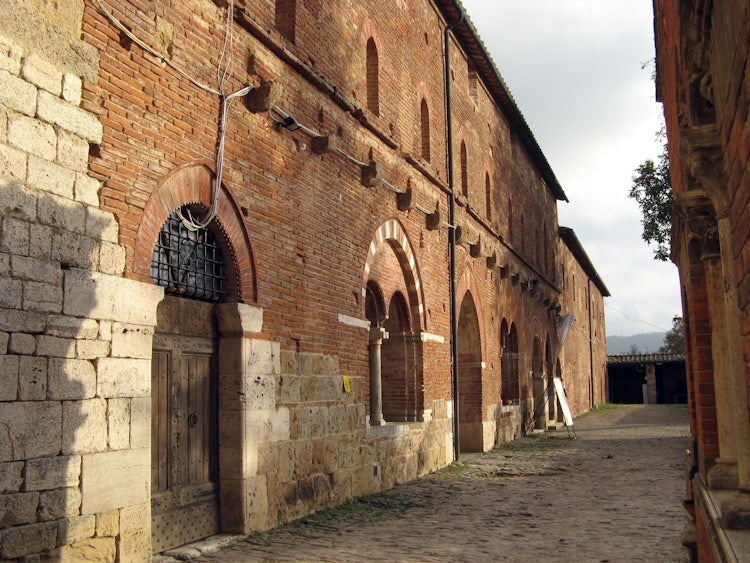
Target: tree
<point>634,350</point>
<point>674,339</point>
<point>652,189</point>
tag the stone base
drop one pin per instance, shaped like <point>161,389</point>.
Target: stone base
<point>735,512</point>
<point>724,475</point>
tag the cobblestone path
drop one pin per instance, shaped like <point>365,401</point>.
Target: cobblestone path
<point>613,495</point>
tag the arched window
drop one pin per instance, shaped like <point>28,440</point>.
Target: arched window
<point>464,171</point>
<point>510,219</point>
<point>286,18</point>
<point>425,129</point>
<point>488,196</point>
<point>188,263</point>
<point>373,92</point>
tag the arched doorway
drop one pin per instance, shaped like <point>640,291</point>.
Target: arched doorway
<point>509,363</point>
<point>537,379</point>
<point>470,377</point>
<point>398,363</point>
<point>189,264</point>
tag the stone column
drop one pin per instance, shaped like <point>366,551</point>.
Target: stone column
<point>248,416</point>
<point>377,335</point>
<point>736,510</point>
<point>723,475</point>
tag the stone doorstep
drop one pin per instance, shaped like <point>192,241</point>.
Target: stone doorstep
<point>198,549</point>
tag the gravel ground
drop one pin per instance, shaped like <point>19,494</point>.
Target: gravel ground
<point>611,495</point>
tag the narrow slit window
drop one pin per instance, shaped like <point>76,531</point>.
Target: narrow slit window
<point>373,86</point>
<point>425,130</point>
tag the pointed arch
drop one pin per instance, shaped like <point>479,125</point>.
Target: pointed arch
<point>192,184</point>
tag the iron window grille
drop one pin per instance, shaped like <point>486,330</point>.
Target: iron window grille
<point>188,263</point>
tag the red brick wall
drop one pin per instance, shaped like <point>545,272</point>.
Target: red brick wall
<point>307,218</point>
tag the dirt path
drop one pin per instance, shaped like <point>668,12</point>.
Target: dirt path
<point>613,495</point>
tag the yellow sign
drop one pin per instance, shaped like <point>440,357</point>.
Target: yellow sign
<point>347,385</point>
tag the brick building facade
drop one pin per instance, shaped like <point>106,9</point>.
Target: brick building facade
<point>164,379</point>
<point>702,61</point>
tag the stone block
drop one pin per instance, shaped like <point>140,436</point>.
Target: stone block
<point>76,529</point>
<point>72,88</point>
<point>70,117</point>
<point>52,473</point>
<point>101,225</point>
<point>239,319</point>
<point>59,503</point>
<point>18,509</point>
<point>29,430</point>
<point>132,341</point>
<point>26,268</point>
<point>92,349</point>
<point>140,422</point>
<point>15,236</point>
<point>111,258</point>
<point>53,347</point>
<point>10,56</point>
<point>100,296</point>
<point>120,377</point>
<point>11,293</point>
<point>21,343</point>
<point>42,74</point>
<point>11,477</point>
<point>285,469</point>
<point>89,549</point>
<point>302,458</point>
<point>84,426</point>
<point>70,379</point>
<point>86,189</point>
<point>135,533</point>
<point>267,425</point>
<point>9,377</point>
<point>22,321</point>
<point>289,389</point>
<point>261,392</point>
<point>237,462</point>
<point>118,421</point>
<point>75,250</point>
<point>71,327</point>
<point>32,136</point>
<point>44,297</point>
<point>288,362</point>
<point>73,153</point>
<point>116,479</point>
<point>4,339</point>
<point>40,241</point>
<point>26,540</point>
<point>17,94</point>
<point>108,523</point>
<point>52,178</point>
<point>61,213</point>
<point>32,379</point>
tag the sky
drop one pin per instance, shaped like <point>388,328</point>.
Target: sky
<point>575,70</point>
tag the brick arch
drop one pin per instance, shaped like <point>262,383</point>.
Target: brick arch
<point>466,282</point>
<point>394,233</point>
<point>188,184</point>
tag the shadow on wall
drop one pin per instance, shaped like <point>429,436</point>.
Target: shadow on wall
<point>74,382</point>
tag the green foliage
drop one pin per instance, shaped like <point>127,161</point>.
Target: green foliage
<point>652,190</point>
<point>674,340</point>
<point>634,350</point>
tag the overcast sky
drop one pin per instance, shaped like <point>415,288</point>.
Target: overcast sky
<point>574,68</point>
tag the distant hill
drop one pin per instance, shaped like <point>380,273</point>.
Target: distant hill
<point>648,343</point>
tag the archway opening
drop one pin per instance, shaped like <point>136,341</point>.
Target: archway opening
<point>470,377</point>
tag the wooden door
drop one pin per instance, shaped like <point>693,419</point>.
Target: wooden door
<point>184,472</point>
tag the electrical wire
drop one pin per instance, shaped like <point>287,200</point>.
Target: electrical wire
<point>119,25</point>
<point>635,320</point>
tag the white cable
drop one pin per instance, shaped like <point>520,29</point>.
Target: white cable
<point>119,25</point>
<point>228,46</point>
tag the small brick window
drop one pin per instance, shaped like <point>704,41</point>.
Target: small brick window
<point>488,196</point>
<point>188,263</point>
<point>373,86</point>
<point>286,18</point>
<point>425,130</point>
<point>464,171</point>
